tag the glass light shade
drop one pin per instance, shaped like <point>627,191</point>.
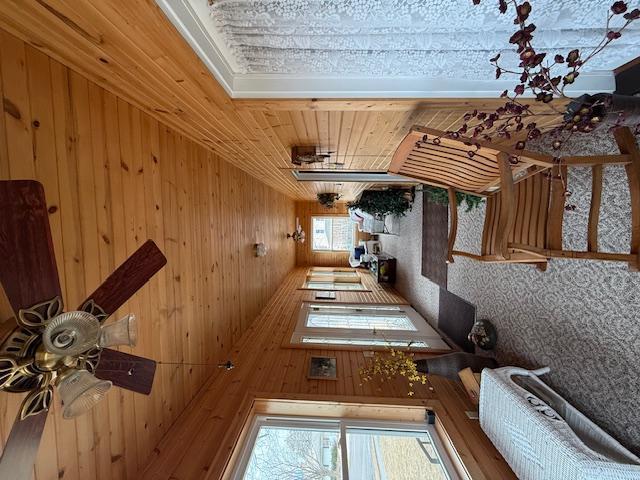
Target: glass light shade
<point>122,332</point>
<point>71,333</point>
<point>260,249</point>
<point>80,391</point>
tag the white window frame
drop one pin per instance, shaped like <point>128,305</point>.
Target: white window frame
<point>424,337</point>
<point>341,425</point>
<point>331,250</point>
<point>333,279</point>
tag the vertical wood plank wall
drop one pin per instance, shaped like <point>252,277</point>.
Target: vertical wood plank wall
<point>304,253</point>
<point>114,176</point>
<point>199,444</point>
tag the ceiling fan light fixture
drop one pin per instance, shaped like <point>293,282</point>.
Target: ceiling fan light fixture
<point>122,332</point>
<point>71,333</point>
<point>80,391</point>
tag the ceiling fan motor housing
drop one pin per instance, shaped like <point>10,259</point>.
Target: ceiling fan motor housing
<point>307,155</point>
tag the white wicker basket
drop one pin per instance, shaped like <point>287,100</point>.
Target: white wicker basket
<point>541,436</point>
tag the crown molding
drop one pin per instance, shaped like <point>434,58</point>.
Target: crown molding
<point>187,17</point>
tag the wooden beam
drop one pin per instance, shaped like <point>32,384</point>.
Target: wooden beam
<point>594,209</point>
<point>627,144</point>
<point>453,228</point>
<point>546,252</point>
<point>586,161</point>
<point>404,149</point>
<point>514,257</point>
<point>556,208</point>
<point>508,206</point>
<point>526,156</point>
<point>367,105</point>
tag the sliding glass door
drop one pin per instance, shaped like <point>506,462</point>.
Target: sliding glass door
<point>282,448</point>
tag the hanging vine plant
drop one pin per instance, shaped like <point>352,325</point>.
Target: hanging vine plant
<point>441,197</point>
<point>379,203</point>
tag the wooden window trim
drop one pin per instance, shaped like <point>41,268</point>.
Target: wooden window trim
<point>300,317</point>
<point>335,269</point>
<point>335,406</point>
<point>330,215</point>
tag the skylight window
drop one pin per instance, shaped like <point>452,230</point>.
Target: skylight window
<point>363,325</point>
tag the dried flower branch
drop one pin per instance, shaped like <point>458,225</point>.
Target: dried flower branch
<point>545,80</point>
<point>391,364</point>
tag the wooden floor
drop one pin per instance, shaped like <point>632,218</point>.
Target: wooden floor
<point>132,50</point>
<point>114,176</point>
<point>111,110</point>
<point>199,444</point>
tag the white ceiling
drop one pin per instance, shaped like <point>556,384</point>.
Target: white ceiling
<point>383,48</point>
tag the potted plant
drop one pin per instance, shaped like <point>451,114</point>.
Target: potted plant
<point>546,79</point>
<point>328,200</point>
<point>379,203</point>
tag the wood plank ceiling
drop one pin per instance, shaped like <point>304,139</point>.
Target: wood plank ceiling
<point>113,177</point>
<point>132,50</point>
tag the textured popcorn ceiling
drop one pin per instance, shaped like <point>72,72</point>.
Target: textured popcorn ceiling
<point>581,318</point>
<point>434,38</point>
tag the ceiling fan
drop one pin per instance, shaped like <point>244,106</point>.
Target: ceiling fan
<point>305,155</point>
<point>49,347</point>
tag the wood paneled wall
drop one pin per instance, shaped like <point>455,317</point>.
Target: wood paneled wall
<point>304,253</point>
<point>114,176</point>
<point>199,445</point>
<point>131,49</point>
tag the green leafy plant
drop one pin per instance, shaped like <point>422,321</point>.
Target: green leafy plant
<point>441,197</point>
<point>394,201</point>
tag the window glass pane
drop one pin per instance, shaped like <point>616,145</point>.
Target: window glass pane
<point>334,286</point>
<point>321,233</point>
<point>295,453</point>
<point>397,455</point>
<point>343,232</point>
<point>332,233</point>
<point>360,321</point>
<point>333,274</point>
<point>374,342</point>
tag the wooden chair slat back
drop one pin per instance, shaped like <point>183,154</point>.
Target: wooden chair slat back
<point>447,162</point>
<point>531,207</point>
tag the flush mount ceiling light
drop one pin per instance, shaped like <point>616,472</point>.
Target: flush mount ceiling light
<point>309,156</point>
<point>52,348</point>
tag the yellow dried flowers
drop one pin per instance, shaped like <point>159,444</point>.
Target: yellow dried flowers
<point>391,364</point>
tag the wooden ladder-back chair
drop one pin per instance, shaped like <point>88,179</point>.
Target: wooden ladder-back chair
<point>525,200</point>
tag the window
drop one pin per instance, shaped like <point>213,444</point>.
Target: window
<point>364,325</point>
<point>332,449</point>
<point>333,271</point>
<point>332,234</point>
<point>327,278</point>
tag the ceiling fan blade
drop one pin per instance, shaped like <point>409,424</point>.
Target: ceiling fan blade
<point>126,370</point>
<point>28,269</point>
<point>127,279</point>
<point>21,448</point>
